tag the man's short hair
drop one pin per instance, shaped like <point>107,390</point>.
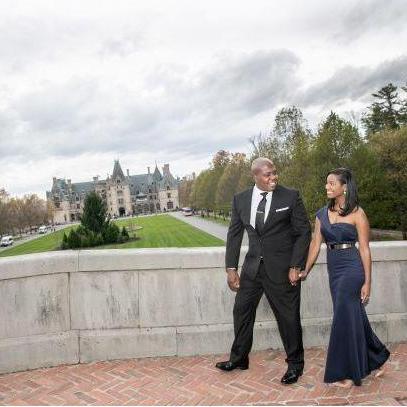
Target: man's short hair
<point>261,162</point>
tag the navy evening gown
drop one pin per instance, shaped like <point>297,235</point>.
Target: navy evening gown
<point>354,350</point>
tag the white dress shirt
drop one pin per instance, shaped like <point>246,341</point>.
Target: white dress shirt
<point>256,198</point>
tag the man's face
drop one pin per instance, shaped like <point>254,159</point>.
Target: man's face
<point>266,178</point>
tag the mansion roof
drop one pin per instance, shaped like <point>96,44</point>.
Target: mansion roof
<point>140,183</point>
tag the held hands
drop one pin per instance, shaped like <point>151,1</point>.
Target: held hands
<point>233,279</point>
<point>294,274</point>
<point>365,293</point>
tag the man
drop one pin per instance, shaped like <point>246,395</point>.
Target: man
<point>279,235</point>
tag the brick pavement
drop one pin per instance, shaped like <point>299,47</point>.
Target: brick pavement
<point>195,381</point>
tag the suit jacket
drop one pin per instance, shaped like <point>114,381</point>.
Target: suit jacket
<point>284,240</point>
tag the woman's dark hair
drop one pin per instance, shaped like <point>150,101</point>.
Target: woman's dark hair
<point>345,176</point>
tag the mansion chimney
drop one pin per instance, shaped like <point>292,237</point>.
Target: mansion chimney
<point>148,170</point>
<point>128,172</point>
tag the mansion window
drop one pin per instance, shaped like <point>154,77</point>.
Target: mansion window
<point>168,195</point>
<point>170,205</point>
<point>120,201</point>
<point>78,206</point>
<point>120,192</point>
<point>168,188</point>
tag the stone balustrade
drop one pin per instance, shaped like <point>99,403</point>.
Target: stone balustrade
<point>79,306</point>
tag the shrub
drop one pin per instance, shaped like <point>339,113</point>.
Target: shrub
<point>125,234</point>
<point>64,244</point>
<point>74,239</point>
<point>111,233</point>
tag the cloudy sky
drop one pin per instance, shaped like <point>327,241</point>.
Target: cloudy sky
<point>83,83</point>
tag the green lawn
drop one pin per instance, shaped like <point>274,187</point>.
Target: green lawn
<point>157,231</point>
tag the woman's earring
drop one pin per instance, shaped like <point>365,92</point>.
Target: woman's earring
<point>344,192</point>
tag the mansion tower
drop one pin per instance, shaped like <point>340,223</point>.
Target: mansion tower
<point>123,194</point>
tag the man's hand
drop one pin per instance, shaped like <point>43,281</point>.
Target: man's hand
<point>293,275</point>
<point>233,279</point>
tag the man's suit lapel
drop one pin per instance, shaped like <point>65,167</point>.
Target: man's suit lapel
<point>247,206</point>
<point>275,203</point>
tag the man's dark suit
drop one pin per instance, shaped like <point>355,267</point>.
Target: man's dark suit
<point>283,243</point>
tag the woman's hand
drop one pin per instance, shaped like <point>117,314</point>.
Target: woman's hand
<point>303,275</point>
<point>365,293</point>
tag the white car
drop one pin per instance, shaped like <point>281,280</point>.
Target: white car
<point>187,211</point>
<point>42,229</point>
<point>6,241</point>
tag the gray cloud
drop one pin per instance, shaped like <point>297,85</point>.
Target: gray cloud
<point>82,115</point>
<point>255,83</point>
<point>371,15</point>
<point>354,83</point>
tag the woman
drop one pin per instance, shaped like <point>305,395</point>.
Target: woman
<point>354,350</point>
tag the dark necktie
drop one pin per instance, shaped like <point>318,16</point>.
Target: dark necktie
<point>261,210</point>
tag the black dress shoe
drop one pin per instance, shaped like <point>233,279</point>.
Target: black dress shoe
<point>291,376</point>
<point>228,365</point>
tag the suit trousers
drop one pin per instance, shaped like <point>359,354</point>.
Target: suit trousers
<point>284,300</point>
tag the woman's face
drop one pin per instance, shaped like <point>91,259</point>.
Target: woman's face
<point>333,187</point>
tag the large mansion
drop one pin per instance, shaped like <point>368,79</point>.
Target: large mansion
<point>123,194</point>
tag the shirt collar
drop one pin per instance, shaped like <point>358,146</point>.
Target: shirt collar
<point>258,191</point>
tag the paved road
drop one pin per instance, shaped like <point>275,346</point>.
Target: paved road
<point>213,228</point>
<point>33,236</point>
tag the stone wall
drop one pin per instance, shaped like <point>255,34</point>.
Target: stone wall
<point>79,306</point>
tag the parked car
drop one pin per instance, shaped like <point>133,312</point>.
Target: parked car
<point>187,211</point>
<point>6,241</point>
<point>42,229</point>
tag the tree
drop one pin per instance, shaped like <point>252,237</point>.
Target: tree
<point>94,213</point>
<point>279,145</point>
<point>229,182</point>
<point>199,196</point>
<point>333,147</point>
<point>391,150</point>
<point>384,113</point>
<point>403,109</point>
<point>205,187</point>
<point>184,192</point>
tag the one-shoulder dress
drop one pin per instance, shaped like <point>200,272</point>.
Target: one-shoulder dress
<point>354,350</point>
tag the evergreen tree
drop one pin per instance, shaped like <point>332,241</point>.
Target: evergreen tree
<point>94,215</point>
<point>403,109</point>
<point>384,112</point>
